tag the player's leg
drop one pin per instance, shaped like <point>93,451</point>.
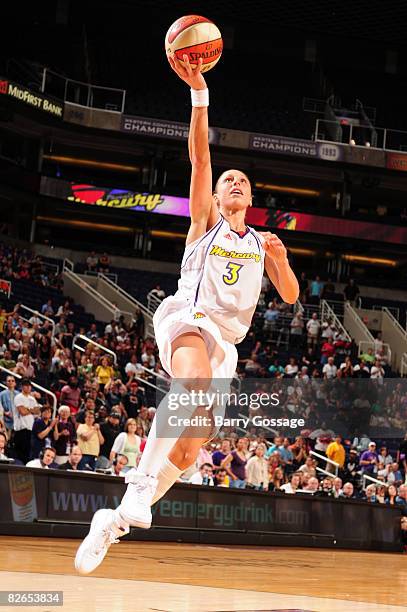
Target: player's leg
<point>191,362</point>
<point>170,450</point>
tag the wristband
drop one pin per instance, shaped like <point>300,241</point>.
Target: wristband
<point>200,97</point>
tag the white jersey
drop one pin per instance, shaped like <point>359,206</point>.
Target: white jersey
<point>221,275</point>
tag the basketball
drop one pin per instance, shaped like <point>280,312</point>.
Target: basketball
<point>197,37</point>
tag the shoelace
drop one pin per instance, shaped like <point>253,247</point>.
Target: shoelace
<point>107,537</point>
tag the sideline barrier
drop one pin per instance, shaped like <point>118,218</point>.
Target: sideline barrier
<point>43,501</point>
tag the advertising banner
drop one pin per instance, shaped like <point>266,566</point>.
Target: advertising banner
<point>70,497</point>
<point>125,199</point>
<point>37,100</point>
<point>397,161</point>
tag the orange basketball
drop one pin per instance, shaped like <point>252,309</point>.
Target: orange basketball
<point>196,37</point>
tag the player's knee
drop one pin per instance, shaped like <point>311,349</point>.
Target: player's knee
<point>197,377</point>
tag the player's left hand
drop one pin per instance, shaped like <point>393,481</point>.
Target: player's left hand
<point>274,247</point>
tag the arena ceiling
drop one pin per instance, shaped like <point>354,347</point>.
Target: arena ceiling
<point>383,21</point>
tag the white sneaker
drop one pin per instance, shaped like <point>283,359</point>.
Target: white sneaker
<point>135,507</point>
<point>104,531</point>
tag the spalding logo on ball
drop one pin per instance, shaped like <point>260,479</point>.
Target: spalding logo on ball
<point>196,37</point>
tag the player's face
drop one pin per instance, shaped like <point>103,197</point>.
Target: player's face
<point>233,190</point>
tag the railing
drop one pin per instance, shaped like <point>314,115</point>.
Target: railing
<point>36,386</point>
<point>150,384</point>
<point>40,315</point>
<point>395,311</point>
<point>330,461</point>
<point>90,341</point>
<point>111,275</point>
<point>50,266</point>
<point>153,302</point>
<point>395,321</point>
<point>367,477</point>
<point>403,367</point>
<point>358,322</point>
<point>327,313</point>
<point>366,136</point>
<point>84,286</point>
<point>146,312</point>
<point>298,307</point>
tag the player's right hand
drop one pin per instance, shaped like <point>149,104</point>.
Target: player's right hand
<point>191,75</point>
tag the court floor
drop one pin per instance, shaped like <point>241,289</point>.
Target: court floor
<point>171,577</point>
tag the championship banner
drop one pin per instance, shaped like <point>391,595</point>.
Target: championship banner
<point>158,128</point>
<point>35,100</point>
<point>285,146</point>
<point>397,161</point>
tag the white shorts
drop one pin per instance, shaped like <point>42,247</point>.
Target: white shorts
<point>176,316</point>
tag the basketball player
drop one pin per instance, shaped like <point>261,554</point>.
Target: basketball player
<point>197,328</point>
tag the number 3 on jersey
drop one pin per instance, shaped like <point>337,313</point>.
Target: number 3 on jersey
<point>233,273</point>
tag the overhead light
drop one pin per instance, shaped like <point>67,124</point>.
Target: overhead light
<point>286,189</point>
<point>370,260</point>
<point>91,163</point>
<point>299,251</point>
<point>105,227</point>
<point>164,234</point>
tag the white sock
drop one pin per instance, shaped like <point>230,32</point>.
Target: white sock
<point>168,474</point>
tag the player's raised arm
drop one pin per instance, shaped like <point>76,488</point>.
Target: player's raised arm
<point>200,196</point>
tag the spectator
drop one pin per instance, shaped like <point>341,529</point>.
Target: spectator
<point>110,429</point>
<point>104,372</point>
<point>369,460</point>
<point>287,456</point>
<point>133,368</point>
<point>316,288</point>
<point>336,452</point>
<point>297,330</point>
<point>257,470</point>
<point>293,485</point>
<point>401,498</point>
<point>134,400</point>
<point>92,261</point>
<point>41,433</point>
<point>377,372</point>
<point>346,368</point>
<point>361,370</point>
<point>74,460</point>
<point>25,407</point>
<point>402,454</point>
<point>64,435</point>
<point>313,327</point>
<point>337,487</point>
<point>45,460</point>
<point>347,491</point>
<point>157,292</point>
<point>7,402</point>
<point>205,455</point>
<point>127,443</point>
<point>329,370</point>
<point>391,495</point>
<point>47,309</point>
<point>278,480</point>
<point>104,263</point>
<point>308,467</point>
<point>203,476</point>
<point>312,486</point>
<point>120,466</point>
<point>291,369</point>
<point>89,441</point>
<point>219,455</point>
<point>221,479</point>
<point>71,394</point>
<point>235,465</point>
<point>351,292</point>
<point>3,446</point>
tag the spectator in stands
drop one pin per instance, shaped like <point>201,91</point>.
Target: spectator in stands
<point>64,435</point>
<point>104,372</point>
<point>157,292</point>
<point>299,450</point>
<point>291,369</point>
<point>402,454</point>
<point>127,443</point>
<point>313,327</point>
<point>391,495</point>
<point>369,460</point>
<point>347,491</point>
<point>278,479</point>
<point>336,487</point>
<point>3,446</point>
<point>221,479</point>
<point>313,485</point>
<point>293,485</point>
<point>7,402</point>
<point>368,356</point>
<point>351,292</point>
<point>133,368</point>
<point>257,470</point>
<point>90,440</point>
<point>401,498</point>
<point>327,352</point>
<point>119,467</point>
<point>42,432</point>
<point>287,456</point>
<point>297,330</point>
<point>378,343</point>
<point>361,370</point>
<point>235,465</point>
<point>47,309</point>
<point>336,452</point>
<point>328,290</point>
<point>92,262</point>
<point>276,369</point>
<point>45,460</point>
<point>93,333</point>
<point>25,408</point>
<point>114,392</point>
<point>303,286</point>
<point>203,476</point>
<point>377,372</point>
<point>134,400</point>
<point>219,455</point>
<point>308,467</point>
<point>346,368</point>
<point>316,288</point>
<point>271,317</point>
<point>71,394</point>
<point>323,436</point>
<point>104,263</point>
<point>74,460</point>
<point>330,370</point>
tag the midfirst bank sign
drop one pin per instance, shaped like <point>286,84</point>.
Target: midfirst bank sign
<point>35,100</point>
